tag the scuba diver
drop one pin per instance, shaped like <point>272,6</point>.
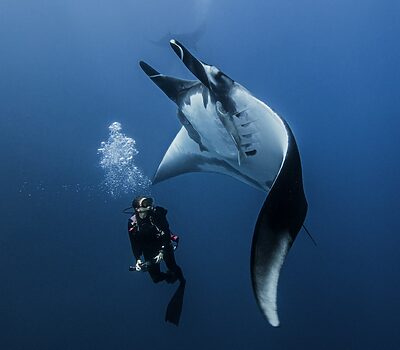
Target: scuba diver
<point>151,237</point>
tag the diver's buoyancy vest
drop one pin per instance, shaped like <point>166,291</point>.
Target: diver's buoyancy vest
<point>135,228</point>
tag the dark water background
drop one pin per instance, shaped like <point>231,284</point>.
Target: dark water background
<point>69,68</point>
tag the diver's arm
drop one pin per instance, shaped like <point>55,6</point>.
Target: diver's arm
<point>135,245</point>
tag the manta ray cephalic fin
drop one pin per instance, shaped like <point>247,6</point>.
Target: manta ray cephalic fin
<point>171,86</point>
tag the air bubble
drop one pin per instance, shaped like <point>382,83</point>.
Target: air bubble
<point>117,159</point>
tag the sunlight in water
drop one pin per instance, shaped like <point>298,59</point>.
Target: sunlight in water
<point>117,159</point>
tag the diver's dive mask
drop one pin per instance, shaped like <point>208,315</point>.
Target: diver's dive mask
<point>143,211</point>
<point>145,204</point>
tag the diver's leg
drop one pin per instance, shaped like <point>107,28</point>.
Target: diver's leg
<point>169,258</point>
<point>156,274</point>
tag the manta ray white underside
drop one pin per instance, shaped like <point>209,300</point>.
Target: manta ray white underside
<point>225,129</point>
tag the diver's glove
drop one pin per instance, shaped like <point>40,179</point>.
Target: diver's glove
<point>159,257</point>
<point>138,266</point>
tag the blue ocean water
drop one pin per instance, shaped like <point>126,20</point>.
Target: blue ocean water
<point>69,69</point>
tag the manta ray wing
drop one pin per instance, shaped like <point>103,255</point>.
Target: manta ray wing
<point>185,155</point>
<point>278,223</point>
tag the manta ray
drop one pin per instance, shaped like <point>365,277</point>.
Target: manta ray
<point>225,129</point>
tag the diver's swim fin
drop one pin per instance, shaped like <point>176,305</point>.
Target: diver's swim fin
<point>174,308</point>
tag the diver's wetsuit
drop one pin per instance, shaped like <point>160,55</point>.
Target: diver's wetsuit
<point>150,235</point>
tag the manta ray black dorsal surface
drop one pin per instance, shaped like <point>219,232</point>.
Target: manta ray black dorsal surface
<point>225,129</point>
<point>278,224</point>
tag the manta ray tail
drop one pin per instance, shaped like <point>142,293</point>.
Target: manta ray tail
<point>309,235</point>
<point>171,86</point>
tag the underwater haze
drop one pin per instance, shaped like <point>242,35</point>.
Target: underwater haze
<point>69,71</point>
